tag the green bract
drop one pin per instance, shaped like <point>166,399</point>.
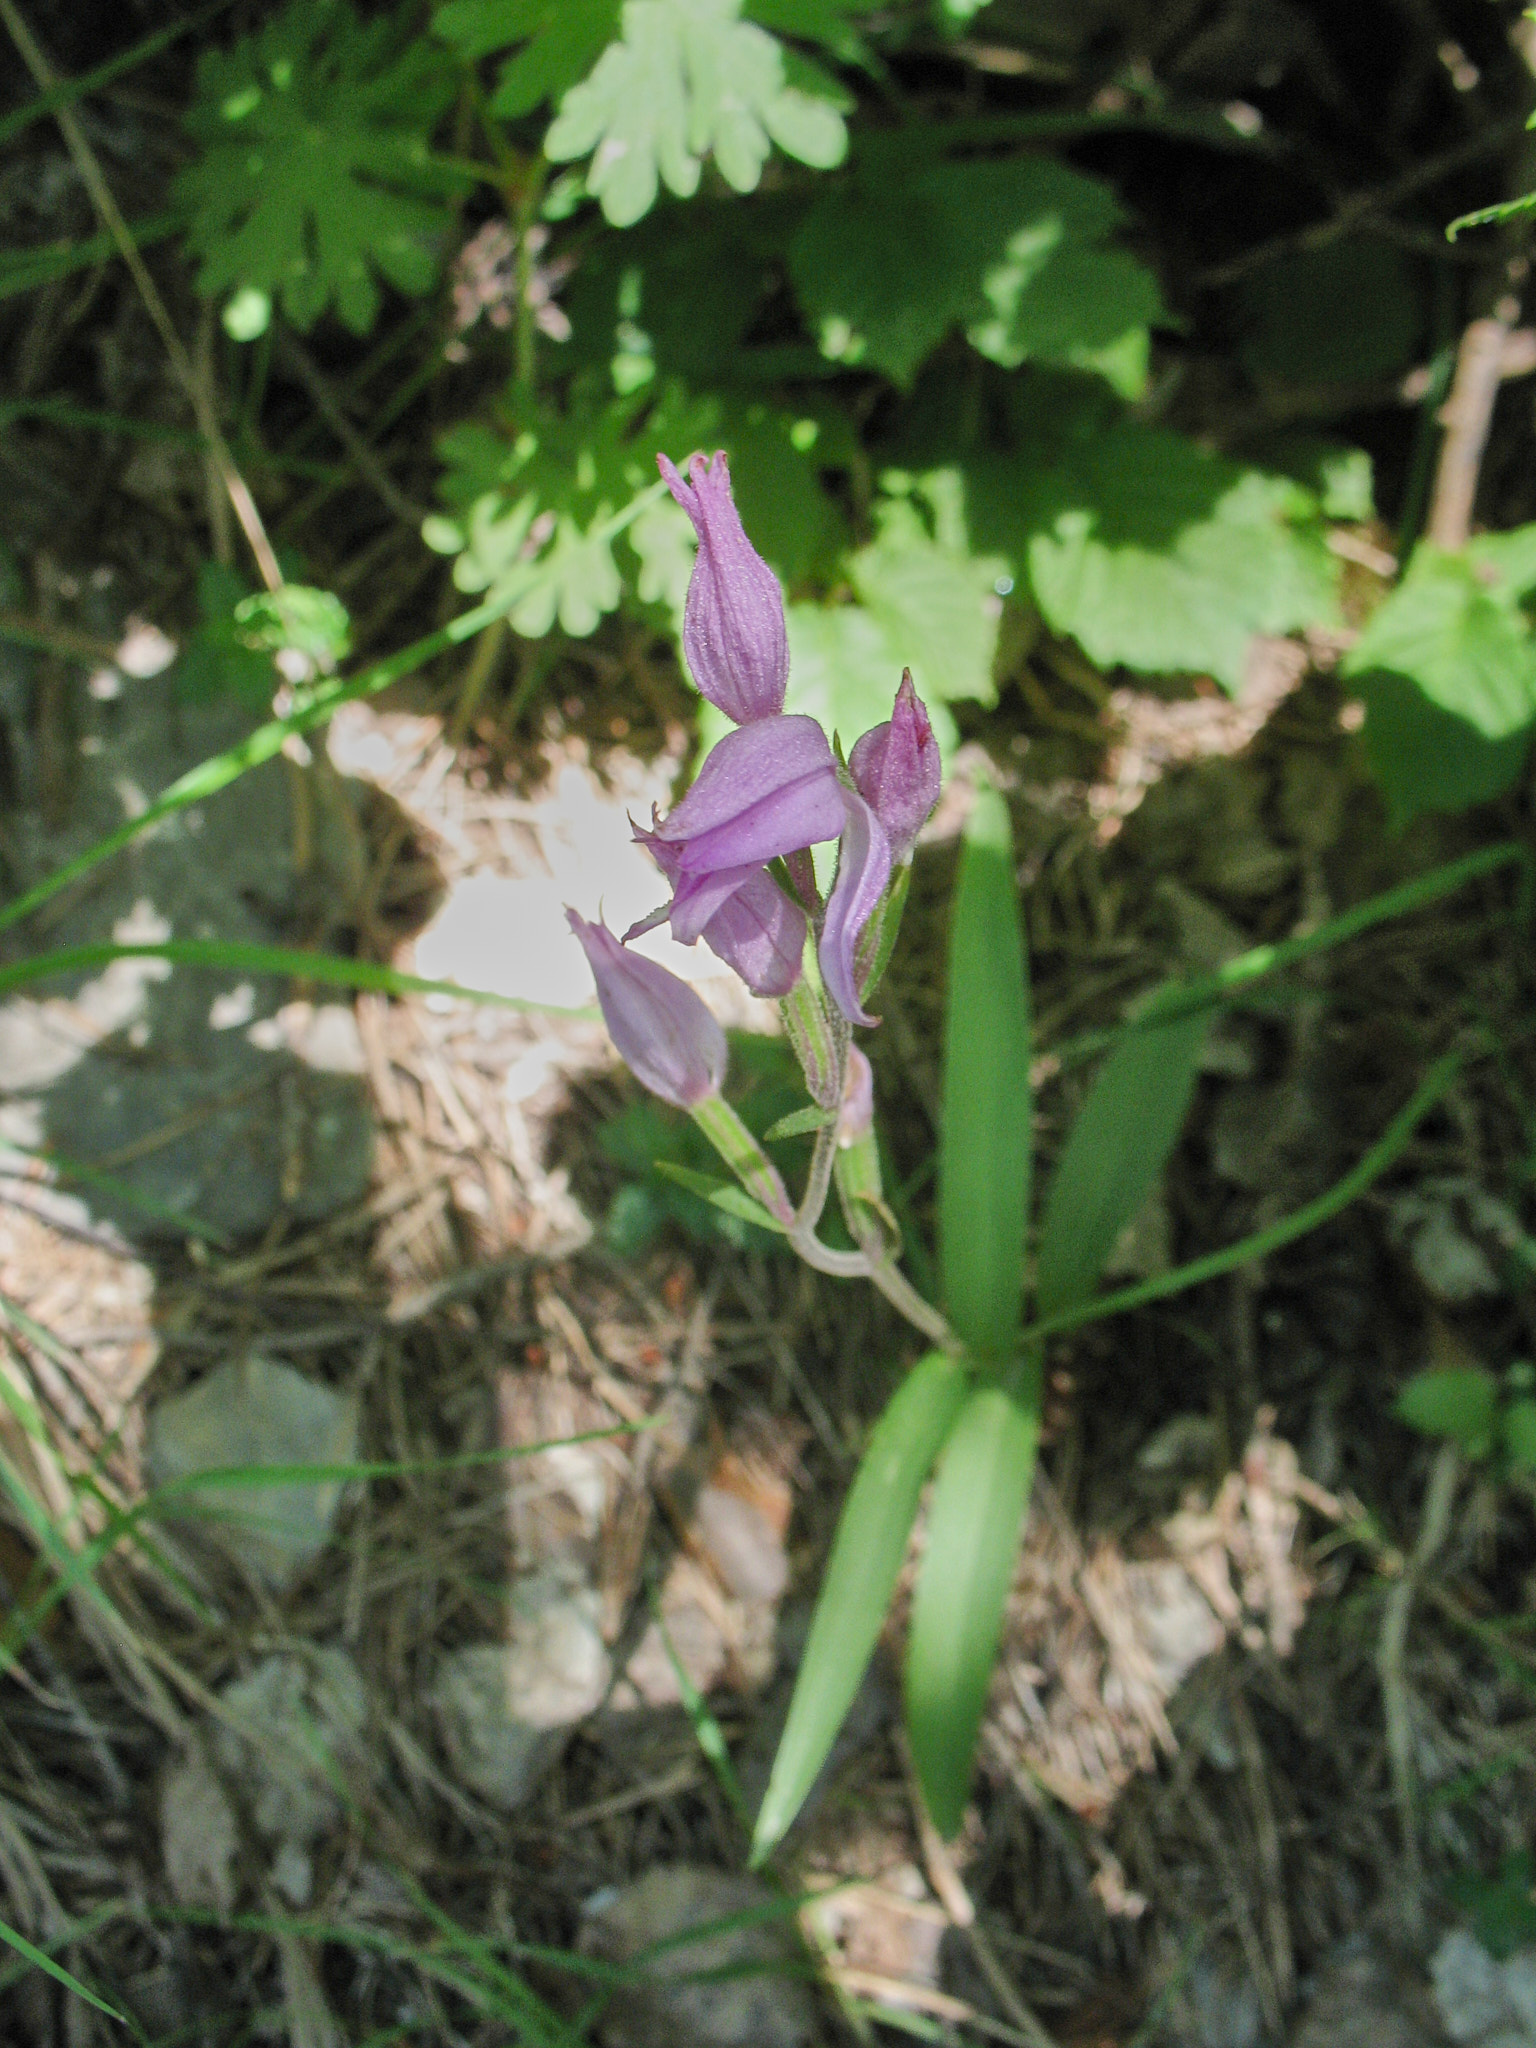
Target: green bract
<point>689,79</point>
<point>315,178</point>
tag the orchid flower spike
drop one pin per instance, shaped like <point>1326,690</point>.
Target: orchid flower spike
<point>658,1024</point>
<point>733,621</point>
<point>895,768</point>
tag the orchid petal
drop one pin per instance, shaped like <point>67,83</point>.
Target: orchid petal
<point>760,935</point>
<point>763,792</point>
<point>863,869</point>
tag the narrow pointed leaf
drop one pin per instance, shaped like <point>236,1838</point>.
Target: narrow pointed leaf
<point>1118,1145</point>
<point>973,1540</point>
<point>721,1192</point>
<point>860,1578</point>
<point>984,1148</point>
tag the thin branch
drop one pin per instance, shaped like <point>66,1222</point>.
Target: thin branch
<point>1392,1646</point>
<point>111,218</point>
<point>1358,209</point>
<point>1482,362</point>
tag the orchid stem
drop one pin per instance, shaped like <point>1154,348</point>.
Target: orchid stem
<point>905,1299</point>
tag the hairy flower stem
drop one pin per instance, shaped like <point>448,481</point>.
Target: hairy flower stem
<point>810,1032</point>
<point>746,1158</point>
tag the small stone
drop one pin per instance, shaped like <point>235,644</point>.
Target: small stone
<point>1472,1996</point>
<point>504,1710</point>
<point>1364,1998</point>
<point>198,1836</point>
<point>306,1716</point>
<point>254,1412</point>
<point>672,2002</point>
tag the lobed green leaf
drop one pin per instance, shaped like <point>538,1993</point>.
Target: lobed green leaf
<point>315,179</point>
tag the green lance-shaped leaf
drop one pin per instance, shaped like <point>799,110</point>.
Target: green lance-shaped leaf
<point>1123,1134</point>
<point>860,1578</point>
<point>957,1610</point>
<point>984,1147</point>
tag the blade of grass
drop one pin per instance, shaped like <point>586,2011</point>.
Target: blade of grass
<point>861,1574</point>
<point>23,270</point>
<point>314,707</point>
<point>76,1567</point>
<point>40,1961</point>
<point>69,90</point>
<point>968,1563</point>
<point>1227,983</point>
<point>333,969</point>
<point>984,1141</point>
<point>1260,1243</point>
<point>707,1732</point>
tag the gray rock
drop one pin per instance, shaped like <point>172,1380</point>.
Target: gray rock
<point>294,1728</point>
<point>253,1412</point>
<point>505,1709</point>
<point>1364,1997</point>
<point>1483,2004</point>
<point>160,1076</point>
<point>672,2002</point>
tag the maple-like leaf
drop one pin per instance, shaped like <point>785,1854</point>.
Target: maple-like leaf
<point>315,177</point>
<point>689,79</point>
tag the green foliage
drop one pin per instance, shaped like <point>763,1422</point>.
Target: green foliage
<point>923,602</point>
<point>558,42</point>
<point>537,515</point>
<point>1447,667</point>
<point>1010,252</point>
<point>298,619</point>
<point>218,659</point>
<point>984,1144</point>
<point>860,1578</point>
<point>1154,554</point>
<point>1487,1419</point>
<point>315,177</point>
<point>1502,1908</point>
<point>969,1555</point>
<point>537,511</point>
<point>690,79</point>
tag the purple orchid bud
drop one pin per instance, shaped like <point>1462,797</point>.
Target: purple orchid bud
<point>863,869</point>
<point>660,1028</point>
<point>764,792</point>
<point>760,935</point>
<point>895,768</point>
<point>733,620</point>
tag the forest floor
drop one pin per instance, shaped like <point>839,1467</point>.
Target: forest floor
<point>269,1782</point>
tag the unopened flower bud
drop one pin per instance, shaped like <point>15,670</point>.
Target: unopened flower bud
<point>733,621</point>
<point>659,1026</point>
<point>895,768</point>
